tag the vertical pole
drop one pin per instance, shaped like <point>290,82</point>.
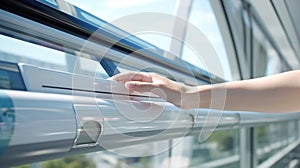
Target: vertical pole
<point>247,148</point>
<point>253,147</point>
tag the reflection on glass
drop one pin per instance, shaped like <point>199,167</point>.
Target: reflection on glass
<point>186,152</point>
<point>77,161</point>
<point>4,80</point>
<point>203,17</point>
<point>266,60</point>
<point>11,80</point>
<point>112,10</point>
<point>17,51</point>
<point>271,138</point>
<point>221,144</point>
<point>10,77</point>
<point>220,149</point>
<point>111,159</point>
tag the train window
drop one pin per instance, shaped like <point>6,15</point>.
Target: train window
<point>202,16</point>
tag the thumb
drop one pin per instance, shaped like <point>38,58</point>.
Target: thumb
<point>139,86</point>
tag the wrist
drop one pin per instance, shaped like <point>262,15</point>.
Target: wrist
<point>197,97</point>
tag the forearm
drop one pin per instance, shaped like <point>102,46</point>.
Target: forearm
<point>278,93</point>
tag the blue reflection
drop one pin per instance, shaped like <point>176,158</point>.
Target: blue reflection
<point>7,120</point>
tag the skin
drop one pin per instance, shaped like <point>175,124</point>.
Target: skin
<point>276,93</point>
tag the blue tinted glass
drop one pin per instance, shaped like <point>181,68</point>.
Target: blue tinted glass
<point>10,77</point>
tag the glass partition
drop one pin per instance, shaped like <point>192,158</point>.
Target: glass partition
<point>113,11</point>
<point>203,18</point>
<point>272,138</point>
<point>18,51</point>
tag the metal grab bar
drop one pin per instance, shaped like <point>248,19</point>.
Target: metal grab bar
<point>48,126</point>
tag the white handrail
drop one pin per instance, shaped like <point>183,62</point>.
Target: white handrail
<point>48,125</point>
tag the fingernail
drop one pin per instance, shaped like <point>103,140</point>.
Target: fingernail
<point>129,85</point>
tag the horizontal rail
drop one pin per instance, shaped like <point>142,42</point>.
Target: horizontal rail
<point>253,119</point>
<point>46,126</point>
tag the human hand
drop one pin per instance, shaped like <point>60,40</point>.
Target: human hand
<point>141,82</point>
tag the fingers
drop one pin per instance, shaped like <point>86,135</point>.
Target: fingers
<point>151,82</point>
<point>132,76</point>
<point>140,86</point>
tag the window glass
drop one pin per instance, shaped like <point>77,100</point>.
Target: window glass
<point>14,50</point>
<point>271,138</point>
<point>159,40</point>
<point>120,158</point>
<point>236,15</point>
<point>116,158</point>
<point>10,77</point>
<point>221,144</point>
<point>221,148</point>
<point>203,17</point>
<point>112,10</point>
<point>17,51</point>
<point>239,20</point>
<point>255,50</point>
<point>266,60</point>
<point>78,161</point>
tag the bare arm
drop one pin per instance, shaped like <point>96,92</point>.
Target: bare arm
<point>277,93</point>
